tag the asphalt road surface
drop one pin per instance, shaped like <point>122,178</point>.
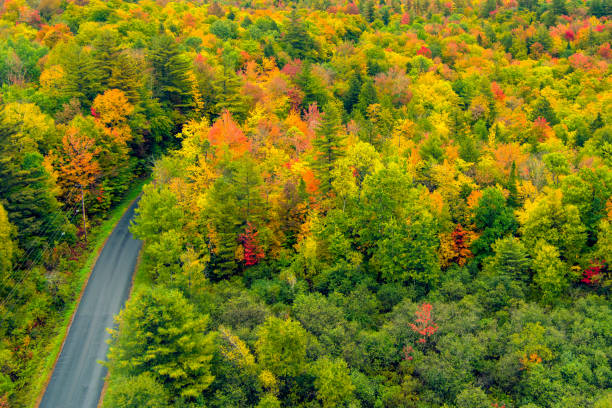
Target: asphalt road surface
<point>78,378</point>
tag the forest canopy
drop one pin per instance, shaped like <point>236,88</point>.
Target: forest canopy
<point>398,203</point>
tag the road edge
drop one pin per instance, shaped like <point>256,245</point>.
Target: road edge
<point>77,302</point>
<point>134,273</point>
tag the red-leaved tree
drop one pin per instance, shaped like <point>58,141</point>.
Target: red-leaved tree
<point>594,273</point>
<point>461,245</point>
<point>253,253</point>
<point>423,325</point>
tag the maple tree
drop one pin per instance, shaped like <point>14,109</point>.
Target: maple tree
<point>593,275</point>
<point>252,251</point>
<point>424,325</point>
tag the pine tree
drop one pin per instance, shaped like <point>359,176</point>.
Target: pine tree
<point>105,52</point>
<point>225,221</point>
<point>368,11</point>
<point>161,333</point>
<point>83,76</point>
<point>328,145</point>
<point>351,97</point>
<point>510,258</point>
<point>25,192</point>
<point>543,109</point>
<point>297,39</point>
<point>513,196</point>
<point>313,89</point>
<point>126,76</point>
<point>598,123</point>
<point>229,96</point>
<point>367,97</point>
<point>558,7</point>
<point>170,73</point>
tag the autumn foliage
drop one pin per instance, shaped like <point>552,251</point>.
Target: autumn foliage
<point>253,253</point>
<point>424,324</point>
<point>594,274</point>
<point>319,169</point>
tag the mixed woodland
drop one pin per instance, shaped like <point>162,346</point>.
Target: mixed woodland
<point>394,203</point>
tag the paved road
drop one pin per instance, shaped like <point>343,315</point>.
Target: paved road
<point>78,378</point>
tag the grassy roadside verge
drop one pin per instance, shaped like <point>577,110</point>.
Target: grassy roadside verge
<point>98,235</point>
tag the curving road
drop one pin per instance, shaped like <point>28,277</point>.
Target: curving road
<point>78,378</point>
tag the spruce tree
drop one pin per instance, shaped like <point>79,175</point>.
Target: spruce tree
<point>298,41</point>
<point>543,109</point>
<point>314,90</point>
<point>170,73</point>
<point>26,194</point>
<point>598,123</point>
<point>105,52</point>
<point>83,77</point>
<point>328,145</point>
<point>367,97</point>
<point>126,76</point>
<point>161,333</point>
<point>229,96</point>
<point>351,97</point>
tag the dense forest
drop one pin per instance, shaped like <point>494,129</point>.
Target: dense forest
<point>400,203</point>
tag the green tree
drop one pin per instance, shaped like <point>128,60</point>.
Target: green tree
<point>588,190</point>
<point>19,59</point>
<point>224,29</point>
<point>487,8</point>
<point>601,8</point>
<point>141,391</point>
<point>551,274</point>
<point>543,109</point>
<point>170,73</point>
<point>126,76</point>
<point>351,97</point>
<point>407,250</point>
<point>269,401</point>
<point>233,201</point>
<point>494,218</point>
<point>106,48</point>
<point>297,40</point>
<point>312,86</point>
<point>369,13</point>
<point>557,224</point>
<point>158,211</point>
<point>26,192</point>
<point>7,247</point>
<point>557,164</point>
<point>162,256</point>
<point>333,382</point>
<point>396,229</point>
<point>367,97</point>
<point>543,37</point>
<point>473,397</point>
<point>161,333</point>
<point>328,145</point>
<point>281,346</point>
<point>83,78</point>
<point>226,220</point>
<point>558,7</point>
<point>510,258</point>
<point>506,274</point>
<point>229,96</point>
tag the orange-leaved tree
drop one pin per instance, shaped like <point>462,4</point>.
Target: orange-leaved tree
<point>78,167</point>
